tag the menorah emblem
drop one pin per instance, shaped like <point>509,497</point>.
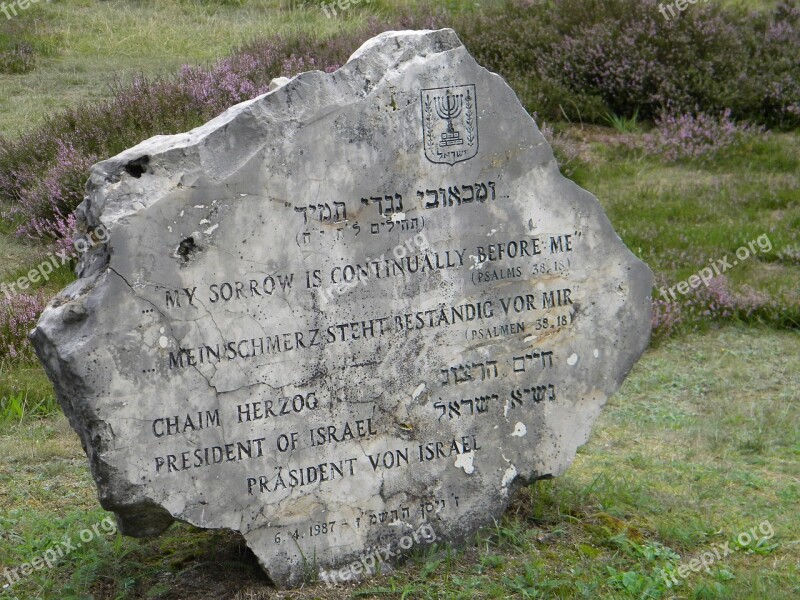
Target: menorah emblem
<point>448,107</point>
<point>449,123</point>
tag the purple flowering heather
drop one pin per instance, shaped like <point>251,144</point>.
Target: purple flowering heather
<point>694,136</point>
<point>18,315</point>
<point>45,206</point>
<point>586,58</point>
<point>717,301</point>
<point>666,316</point>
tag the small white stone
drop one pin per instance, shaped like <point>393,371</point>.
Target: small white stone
<point>508,476</point>
<point>278,82</point>
<point>464,461</point>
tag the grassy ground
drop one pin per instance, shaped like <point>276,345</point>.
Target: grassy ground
<point>700,446</point>
<point>680,217</point>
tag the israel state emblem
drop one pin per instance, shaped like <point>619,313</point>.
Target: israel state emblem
<point>450,123</point>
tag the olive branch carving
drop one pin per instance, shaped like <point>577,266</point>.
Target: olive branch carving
<point>469,126</point>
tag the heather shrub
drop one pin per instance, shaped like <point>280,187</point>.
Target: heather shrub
<point>587,58</point>
<point>718,303</point>
<point>772,78</point>
<point>18,316</point>
<point>45,206</point>
<point>694,136</point>
<point>790,255</point>
<point>665,317</point>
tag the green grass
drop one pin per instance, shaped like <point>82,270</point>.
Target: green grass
<point>25,392</point>
<point>624,124</point>
<point>682,217</point>
<point>15,253</point>
<point>699,446</point>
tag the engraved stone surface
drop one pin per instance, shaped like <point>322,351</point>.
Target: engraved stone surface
<point>350,315</point>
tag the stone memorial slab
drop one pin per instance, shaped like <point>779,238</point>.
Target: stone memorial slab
<point>346,318</point>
